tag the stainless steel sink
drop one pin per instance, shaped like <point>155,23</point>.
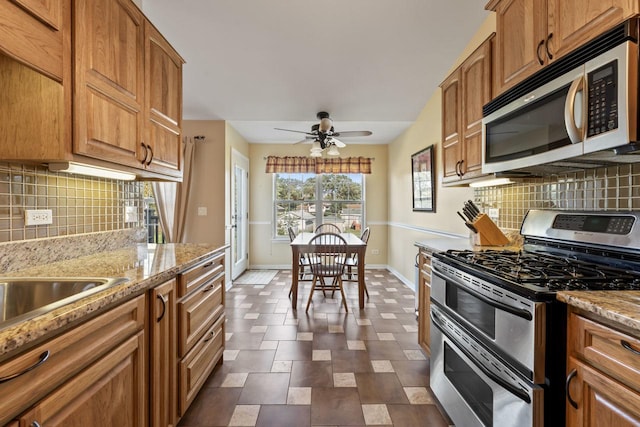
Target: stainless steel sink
<point>23,298</point>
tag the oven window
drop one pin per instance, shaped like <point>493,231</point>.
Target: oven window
<point>475,392</point>
<point>473,310</point>
<point>536,128</point>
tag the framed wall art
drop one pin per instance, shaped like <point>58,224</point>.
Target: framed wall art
<point>422,177</point>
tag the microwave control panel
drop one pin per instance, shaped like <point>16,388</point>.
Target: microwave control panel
<point>603,99</point>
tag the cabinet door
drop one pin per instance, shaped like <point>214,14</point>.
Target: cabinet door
<point>521,29</point>
<point>475,74</point>
<point>451,120</point>
<point>32,32</point>
<point>424,303</point>
<point>109,89</point>
<point>600,400</point>
<point>163,97</point>
<point>574,22</point>
<point>111,392</point>
<point>162,355</point>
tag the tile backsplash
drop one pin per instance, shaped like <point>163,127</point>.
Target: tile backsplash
<point>79,204</point>
<point>603,189</point>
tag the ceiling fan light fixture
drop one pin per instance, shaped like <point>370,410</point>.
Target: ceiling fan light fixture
<point>316,153</point>
<point>333,151</point>
<point>325,125</point>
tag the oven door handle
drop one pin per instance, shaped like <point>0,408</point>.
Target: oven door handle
<point>513,310</point>
<point>518,392</point>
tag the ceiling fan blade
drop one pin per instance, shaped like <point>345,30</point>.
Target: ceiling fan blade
<point>337,142</point>
<point>297,131</point>
<point>353,133</point>
<point>309,138</point>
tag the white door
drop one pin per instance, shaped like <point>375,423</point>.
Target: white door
<point>239,213</point>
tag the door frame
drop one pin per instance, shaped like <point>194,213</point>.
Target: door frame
<point>239,227</point>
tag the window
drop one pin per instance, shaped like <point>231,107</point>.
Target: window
<point>304,200</point>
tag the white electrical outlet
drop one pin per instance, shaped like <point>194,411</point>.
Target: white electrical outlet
<point>375,251</point>
<point>130,214</point>
<point>38,216</point>
<point>202,211</point>
<point>494,213</point>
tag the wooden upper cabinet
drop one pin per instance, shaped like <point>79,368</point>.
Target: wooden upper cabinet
<point>109,80</point>
<point>533,33</point>
<point>521,28</point>
<point>475,74</point>
<point>33,32</point>
<point>574,22</point>
<point>451,144</point>
<point>464,93</point>
<point>163,90</point>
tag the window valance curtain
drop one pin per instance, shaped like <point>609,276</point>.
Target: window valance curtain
<point>292,164</point>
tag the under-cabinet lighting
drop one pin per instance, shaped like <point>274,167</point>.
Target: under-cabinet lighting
<point>491,182</point>
<point>78,168</point>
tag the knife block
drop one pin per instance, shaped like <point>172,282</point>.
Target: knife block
<point>488,232</point>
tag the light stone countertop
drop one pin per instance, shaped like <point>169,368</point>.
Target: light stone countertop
<point>621,307</point>
<point>145,266</point>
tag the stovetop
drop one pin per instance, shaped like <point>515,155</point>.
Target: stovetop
<point>548,273</point>
<point>562,251</point>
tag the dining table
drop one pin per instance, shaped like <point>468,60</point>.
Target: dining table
<point>301,244</point>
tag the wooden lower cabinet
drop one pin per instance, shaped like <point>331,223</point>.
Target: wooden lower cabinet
<point>111,392</point>
<point>600,400</point>
<point>603,374</point>
<point>31,378</point>
<point>201,291</point>
<point>162,355</point>
<point>424,296</point>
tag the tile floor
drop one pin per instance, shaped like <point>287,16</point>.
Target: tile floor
<point>325,368</point>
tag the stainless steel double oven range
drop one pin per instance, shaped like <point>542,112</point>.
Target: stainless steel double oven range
<point>498,335</point>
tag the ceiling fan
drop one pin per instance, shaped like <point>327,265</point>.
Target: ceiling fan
<point>323,135</point>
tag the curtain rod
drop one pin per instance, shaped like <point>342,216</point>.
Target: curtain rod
<point>265,158</point>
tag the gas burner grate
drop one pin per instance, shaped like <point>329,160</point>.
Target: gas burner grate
<point>548,271</point>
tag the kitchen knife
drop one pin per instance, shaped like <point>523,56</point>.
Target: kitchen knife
<point>467,223</point>
<point>468,214</point>
<point>474,208</point>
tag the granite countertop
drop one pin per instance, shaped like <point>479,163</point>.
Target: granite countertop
<point>145,266</point>
<point>621,307</point>
<point>459,243</point>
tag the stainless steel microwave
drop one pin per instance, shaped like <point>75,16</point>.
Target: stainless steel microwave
<point>580,115</point>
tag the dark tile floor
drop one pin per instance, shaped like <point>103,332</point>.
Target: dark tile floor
<point>325,368</point>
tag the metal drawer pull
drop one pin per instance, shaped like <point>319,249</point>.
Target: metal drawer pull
<point>35,424</point>
<point>209,337</point>
<point>208,288</point>
<point>43,358</point>
<point>627,346</point>
<point>164,307</point>
<point>209,264</point>
<point>569,398</point>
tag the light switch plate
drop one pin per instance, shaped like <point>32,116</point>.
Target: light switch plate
<point>202,211</point>
<point>38,216</point>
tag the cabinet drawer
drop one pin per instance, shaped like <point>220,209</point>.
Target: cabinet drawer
<point>196,276</point>
<point>68,354</point>
<point>610,350</point>
<point>199,363</point>
<point>197,311</point>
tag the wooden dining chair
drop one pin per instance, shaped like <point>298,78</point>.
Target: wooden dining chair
<point>328,227</point>
<point>304,262</point>
<point>352,261</point>
<point>330,250</point>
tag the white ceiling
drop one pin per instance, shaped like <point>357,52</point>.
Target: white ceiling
<point>260,64</point>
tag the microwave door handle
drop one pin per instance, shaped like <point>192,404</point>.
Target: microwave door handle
<point>575,133</point>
